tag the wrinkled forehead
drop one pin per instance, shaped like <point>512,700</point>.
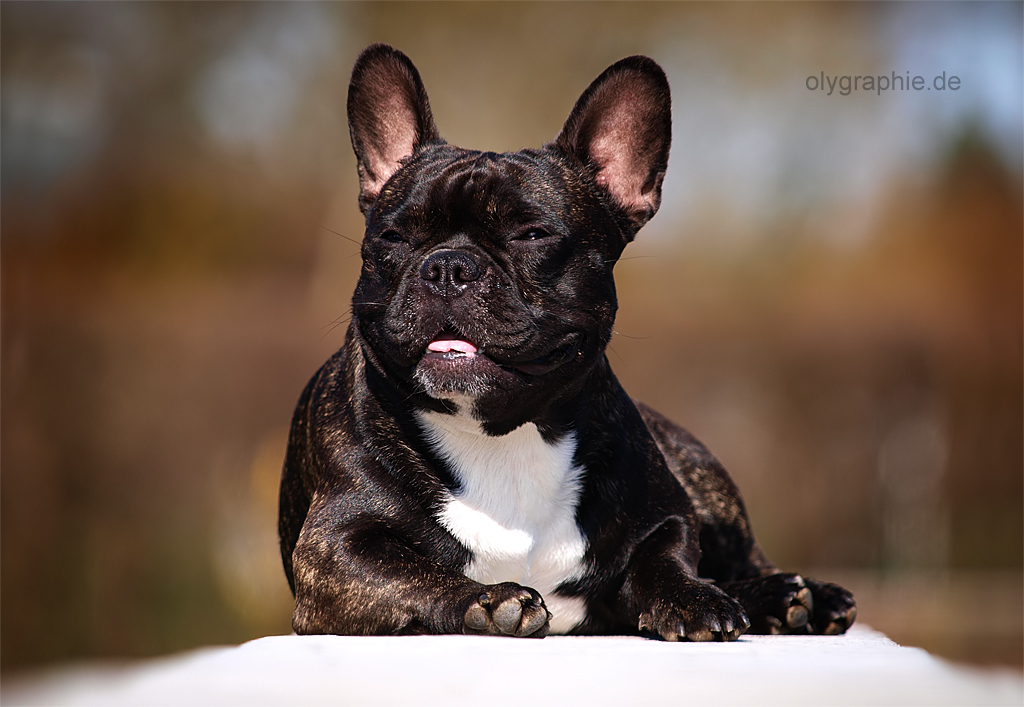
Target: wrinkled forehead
<point>451,184</point>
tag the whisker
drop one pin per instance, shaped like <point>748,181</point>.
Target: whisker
<point>342,235</point>
<point>621,360</point>
<point>334,325</point>
<point>340,320</point>
<point>627,336</point>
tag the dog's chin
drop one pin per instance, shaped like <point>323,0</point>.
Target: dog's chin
<point>457,377</point>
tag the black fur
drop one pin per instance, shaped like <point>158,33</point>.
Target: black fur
<point>513,252</point>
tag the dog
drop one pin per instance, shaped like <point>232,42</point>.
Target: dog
<point>467,463</point>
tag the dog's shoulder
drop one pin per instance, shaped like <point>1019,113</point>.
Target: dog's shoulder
<point>707,483</point>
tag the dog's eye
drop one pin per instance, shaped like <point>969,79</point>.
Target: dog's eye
<point>534,234</point>
<point>391,236</point>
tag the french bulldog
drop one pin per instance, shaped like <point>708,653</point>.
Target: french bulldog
<point>468,462</point>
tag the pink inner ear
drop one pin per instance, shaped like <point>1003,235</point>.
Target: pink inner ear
<point>396,131</point>
<point>618,174</point>
<point>614,150</point>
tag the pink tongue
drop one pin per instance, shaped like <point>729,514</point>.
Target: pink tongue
<point>446,345</point>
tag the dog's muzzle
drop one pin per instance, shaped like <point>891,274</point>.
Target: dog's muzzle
<point>449,272</point>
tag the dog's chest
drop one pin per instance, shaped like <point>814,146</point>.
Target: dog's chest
<point>515,508</point>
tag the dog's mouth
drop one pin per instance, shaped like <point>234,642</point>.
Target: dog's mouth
<point>452,346</point>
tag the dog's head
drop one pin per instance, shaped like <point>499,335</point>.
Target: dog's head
<point>487,278</point>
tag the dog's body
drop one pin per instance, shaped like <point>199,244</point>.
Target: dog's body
<point>467,462</point>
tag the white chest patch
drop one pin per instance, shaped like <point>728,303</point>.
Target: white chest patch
<point>515,509</point>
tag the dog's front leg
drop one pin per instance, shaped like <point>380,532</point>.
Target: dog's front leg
<point>362,578</point>
<point>663,596</point>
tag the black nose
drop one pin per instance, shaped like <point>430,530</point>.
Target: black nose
<point>450,271</point>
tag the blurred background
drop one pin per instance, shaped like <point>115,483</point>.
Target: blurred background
<point>830,297</point>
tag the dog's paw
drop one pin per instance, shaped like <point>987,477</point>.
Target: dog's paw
<point>791,604</point>
<point>778,603</point>
<point>834,608</point>
<point>698,612</point>
<point>507,609</point>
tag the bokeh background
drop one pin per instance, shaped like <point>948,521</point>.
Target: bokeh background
<point>830,297</point>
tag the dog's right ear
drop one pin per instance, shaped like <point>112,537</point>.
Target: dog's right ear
<point>620,129</point>
<point>388,116</point>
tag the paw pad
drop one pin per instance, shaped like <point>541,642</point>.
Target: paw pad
<point>507,609</point>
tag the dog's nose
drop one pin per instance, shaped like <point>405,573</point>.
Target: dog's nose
<point>450,271</point>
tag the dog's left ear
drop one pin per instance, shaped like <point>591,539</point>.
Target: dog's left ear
<point>621,128</point>
<point>388,116</point>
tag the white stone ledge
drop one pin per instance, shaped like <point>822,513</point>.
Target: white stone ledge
<point>860,668</point>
